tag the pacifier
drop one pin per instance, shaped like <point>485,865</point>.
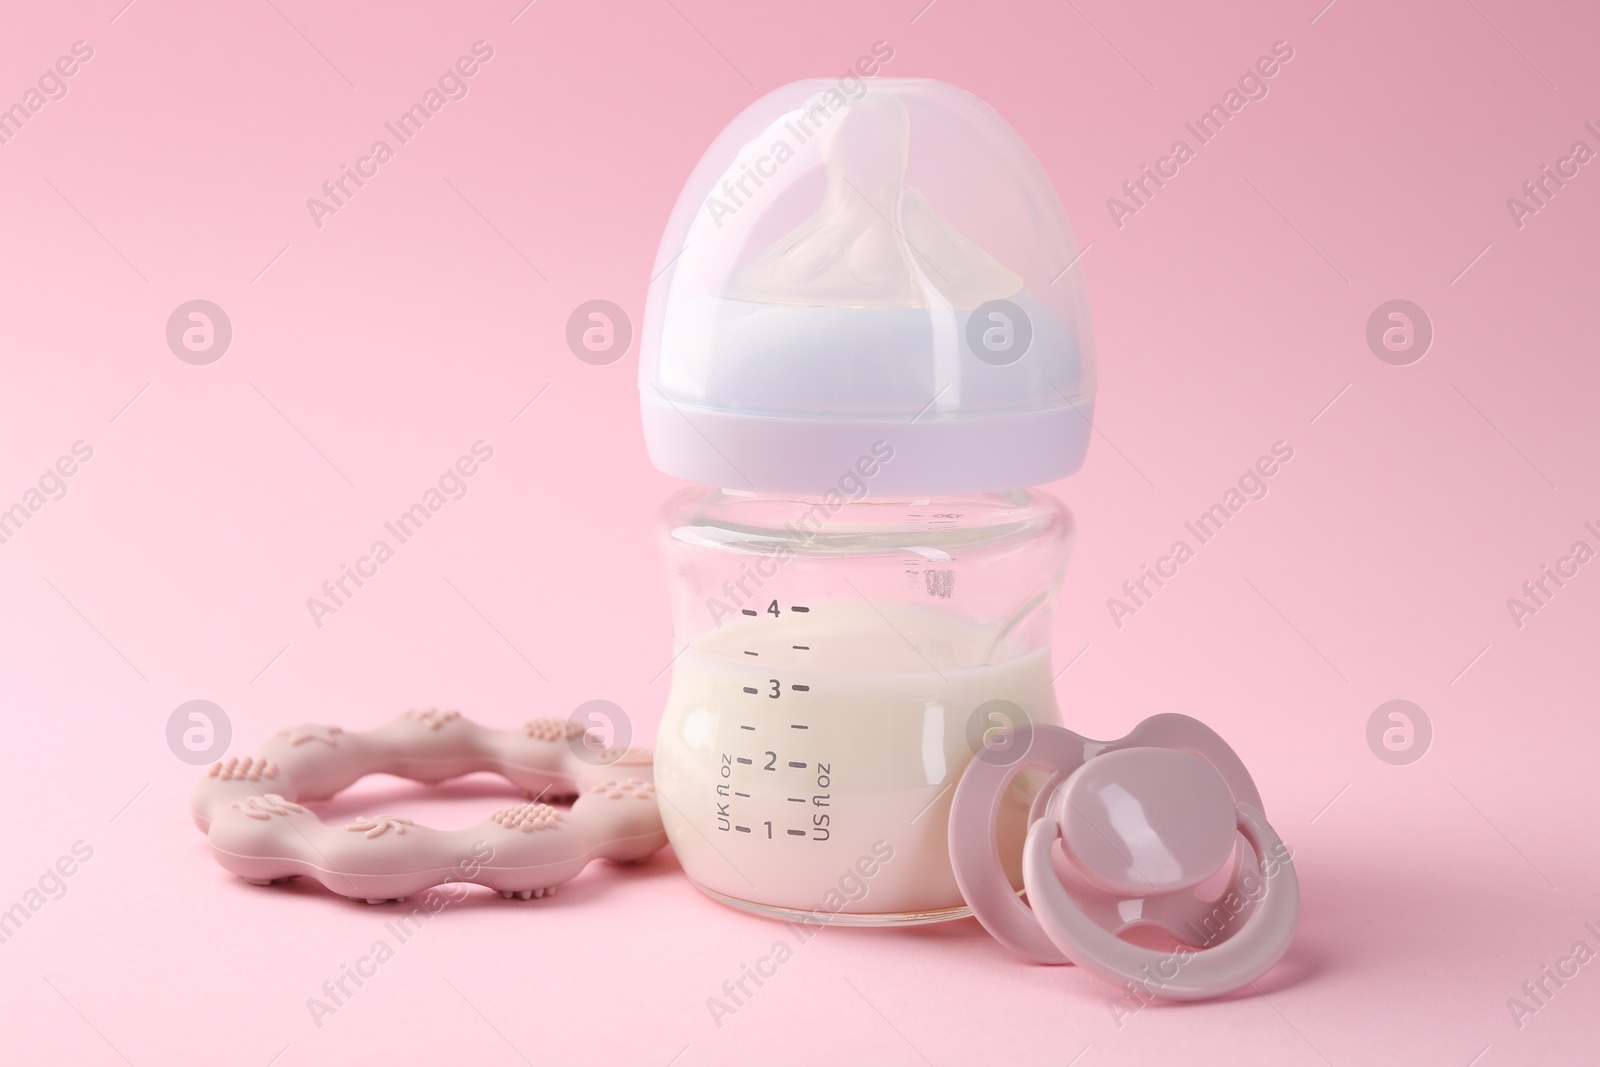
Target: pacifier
<point>1120,837</point>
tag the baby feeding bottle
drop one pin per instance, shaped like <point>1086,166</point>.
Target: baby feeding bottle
<point>865,338</point>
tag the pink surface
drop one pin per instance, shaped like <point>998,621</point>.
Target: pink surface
<point>370,355</point>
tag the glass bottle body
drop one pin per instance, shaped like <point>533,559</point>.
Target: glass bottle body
<point>841,660</point>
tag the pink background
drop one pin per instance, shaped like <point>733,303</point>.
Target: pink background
<point>1230,312</point>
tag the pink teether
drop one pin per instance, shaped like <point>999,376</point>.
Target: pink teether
<point>258,829</point>
<point>1140,823</point>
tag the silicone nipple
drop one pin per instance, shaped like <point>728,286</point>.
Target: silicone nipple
<point>873,242</point>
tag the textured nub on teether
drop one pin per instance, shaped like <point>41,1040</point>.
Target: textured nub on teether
<point>527,817</point>
<point>552,730</point>
<point>433,718</point>
<point>381,825</point>
<point>265,806</point>
<point>299,735</point>
<point>249,769</point>
<point>627,787</point>
<point>625,757</point>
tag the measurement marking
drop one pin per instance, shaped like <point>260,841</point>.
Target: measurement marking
<point>745,795</point>
<point>742,829</point>
<point>750,689</point>
<point>745,760</point>
<point>797,607</point>
<point>798,726</point>
<point>797,833</point>
<point>742,726</point>
<point>749,611</point>
<point>801,688</point>
<point>801,648</point>
<point>797,765</point>
<point>797,800</point>
<point>749,653</point>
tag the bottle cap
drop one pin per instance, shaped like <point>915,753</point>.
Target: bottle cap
<point>860,270</point>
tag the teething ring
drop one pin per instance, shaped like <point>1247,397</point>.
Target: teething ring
<point>258,828</point>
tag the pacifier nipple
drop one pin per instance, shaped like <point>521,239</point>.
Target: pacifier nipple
<point>1145,820</point>
<point>874,241</point>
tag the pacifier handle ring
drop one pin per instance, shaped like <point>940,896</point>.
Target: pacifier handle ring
<point>1195,974</point>
<point>974,847</point>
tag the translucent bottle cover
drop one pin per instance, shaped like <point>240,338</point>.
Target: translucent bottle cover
<point>867,267</point>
